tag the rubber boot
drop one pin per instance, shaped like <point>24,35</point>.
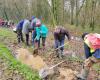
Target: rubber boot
<point>35,52</point>
<point>27,39</point>
<point>83,75</point>
<point>60,54</point>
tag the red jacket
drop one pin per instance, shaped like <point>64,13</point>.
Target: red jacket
<point>94,40</point>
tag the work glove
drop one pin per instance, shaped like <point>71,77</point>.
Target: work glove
<point>88,63</point>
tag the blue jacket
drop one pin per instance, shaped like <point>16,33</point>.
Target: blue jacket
<point>20,25</point>
<point>41,31</point>
<point>37,29</point>
<point>44,30</point>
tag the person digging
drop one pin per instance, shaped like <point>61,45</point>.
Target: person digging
<point>92,53</point>
<point>59,37</point>
<point>41,33</point>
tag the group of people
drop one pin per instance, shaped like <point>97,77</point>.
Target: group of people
<point>35,27</point>
<point>39,32</point>
<point>5,23</point>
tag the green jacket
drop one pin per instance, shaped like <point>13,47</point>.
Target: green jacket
<point>41,31</point>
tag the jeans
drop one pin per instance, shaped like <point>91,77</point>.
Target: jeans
<point>59,43</point>
<point>33,37</point>
<point>87,51</point>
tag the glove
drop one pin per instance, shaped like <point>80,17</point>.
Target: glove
<point>88,62</point>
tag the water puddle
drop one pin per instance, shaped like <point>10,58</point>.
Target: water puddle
<point>25,57</point>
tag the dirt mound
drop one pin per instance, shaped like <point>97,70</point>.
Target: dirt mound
<point>35,62</point>
<point>66,74</point>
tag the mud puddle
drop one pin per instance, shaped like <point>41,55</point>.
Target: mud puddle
<point>36,62</point>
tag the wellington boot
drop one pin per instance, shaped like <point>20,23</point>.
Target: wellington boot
<point>60,54</point>
<point>83,75</point>
<point>35,52</point>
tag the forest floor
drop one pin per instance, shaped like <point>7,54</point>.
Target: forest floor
<point>74,56</point>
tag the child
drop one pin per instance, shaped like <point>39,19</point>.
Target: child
<point>41,32</point>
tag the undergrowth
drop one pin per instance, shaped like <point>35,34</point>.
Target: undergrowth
<point>14,64</point>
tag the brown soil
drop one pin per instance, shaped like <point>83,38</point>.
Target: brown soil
<point>35,62</point>
<point>65,71</point>
<point>66,74</point>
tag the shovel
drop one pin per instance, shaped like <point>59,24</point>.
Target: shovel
<point>44,72</point>
<point>60,46</point>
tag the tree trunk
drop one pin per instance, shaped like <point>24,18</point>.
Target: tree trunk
<point>72,11</point>
<point>77,8</point>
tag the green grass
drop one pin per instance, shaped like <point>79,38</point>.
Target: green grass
<point>6,32</point>
<point>8,36</point>
<point>27,72</point>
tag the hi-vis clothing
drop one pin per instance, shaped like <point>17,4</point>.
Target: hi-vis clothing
<point>93,42</point>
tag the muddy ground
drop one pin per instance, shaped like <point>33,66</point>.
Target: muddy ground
<point>65,71</point>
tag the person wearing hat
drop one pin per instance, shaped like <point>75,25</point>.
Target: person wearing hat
<point>41,32</point>
<point>33,28</point>
<point>92,53</point>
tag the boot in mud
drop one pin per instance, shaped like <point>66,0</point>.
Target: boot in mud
<point>83,75</point>
<point>35,52</point>
<point>57,53</point>
<point>80,79</point>
<point>60,54</point>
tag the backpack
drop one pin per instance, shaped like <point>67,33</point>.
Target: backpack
<point>94,39</point>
